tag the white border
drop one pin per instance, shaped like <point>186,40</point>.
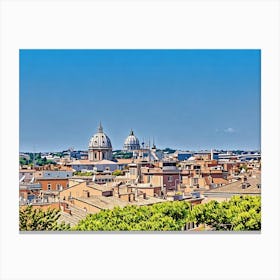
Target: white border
<point>139,24</point>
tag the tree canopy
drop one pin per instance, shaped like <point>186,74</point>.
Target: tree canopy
<point>39,220</point>
<point>239,213</point>
<point>162,216</point>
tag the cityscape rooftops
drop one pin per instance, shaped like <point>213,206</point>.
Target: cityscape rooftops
<point>110,202</point>
<point>124,161</point>
<point>53,174</point>
<point>236,187</point>
<point>89,162</point>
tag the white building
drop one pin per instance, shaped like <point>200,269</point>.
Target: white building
<point>100,146</point>
<point>131,143</point>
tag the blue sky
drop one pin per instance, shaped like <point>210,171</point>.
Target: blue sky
<point>185,99</point>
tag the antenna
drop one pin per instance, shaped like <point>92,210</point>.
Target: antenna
<point>33,156</point>
<point>149,151</point>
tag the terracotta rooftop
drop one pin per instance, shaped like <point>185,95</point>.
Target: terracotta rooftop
<point>89,162</point>
<point>110,202</point>
<point>220,181</point>
<point>81,162</point>
<point>100,187</point>
<point>236,187</point>
<point>124,161</point>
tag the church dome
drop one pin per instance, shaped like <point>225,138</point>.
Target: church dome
<point>131,143</point>
<point>100,140</point>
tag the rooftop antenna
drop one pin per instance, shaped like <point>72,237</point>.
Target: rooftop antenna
<point>33,156</point>
<point>143,147</point>
<point>149,151</point>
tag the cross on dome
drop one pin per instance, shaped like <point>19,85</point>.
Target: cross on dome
<point>100,128</point>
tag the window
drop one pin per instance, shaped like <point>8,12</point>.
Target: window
<point>170,179</point>
<point>195,181</point>
<point>58,187</point>
<point>49,187</point>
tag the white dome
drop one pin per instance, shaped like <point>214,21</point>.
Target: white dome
<point>100,140</point>
<point>131,143</point>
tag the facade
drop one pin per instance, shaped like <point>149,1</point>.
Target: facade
<point>167,176</point>
<point>28,192</point>
<point>102,165</point>
<point>53,184</point>
<point>26,175</point>
<point>82,164</point>
<point>100,146</point>
<point>131,143</point>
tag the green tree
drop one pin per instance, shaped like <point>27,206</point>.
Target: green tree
<point>161,216</point>
<point>117,172</point>
<point>39,220</point>
<point>239,213</point>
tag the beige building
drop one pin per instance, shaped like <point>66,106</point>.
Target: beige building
<point>93,197</point>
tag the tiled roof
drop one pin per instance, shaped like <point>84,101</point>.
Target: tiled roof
<point>220,181</point>
<point>100,187</point>
<point>110,202</point>
<point>236,187</point>
<point>105,161</point>
<point>82,162</point>
<point>124,161</point>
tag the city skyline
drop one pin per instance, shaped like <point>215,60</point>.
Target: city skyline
<point>183,99</point>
